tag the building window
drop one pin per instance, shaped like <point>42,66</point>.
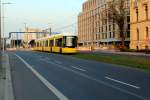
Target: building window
<point>147,35</point>
<point>102,35</point>
<point>137,14</point>
<point>128,26</point>
<point>146,11</point>
<point>99,29</point>
<point>109,34</point>
<point>128,33</point>
<point>105,35</point>
<point>128,19</point>
<point>113,27</point>
<point>113,34</point>
<point>109,27</point>
<point>137,34</point>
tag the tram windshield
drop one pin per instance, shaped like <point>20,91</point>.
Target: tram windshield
<point>70,41</point>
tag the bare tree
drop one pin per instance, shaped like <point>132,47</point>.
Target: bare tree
<point>117,13</point>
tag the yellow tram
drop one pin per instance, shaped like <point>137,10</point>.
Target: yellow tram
<point>59,43</point>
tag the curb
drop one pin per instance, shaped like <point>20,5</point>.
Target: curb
<point>8,94</point>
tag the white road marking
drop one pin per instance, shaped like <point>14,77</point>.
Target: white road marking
<point>78,68</point>
<point>122,82</point>
<point>101,82</point>
<point>44,81</point>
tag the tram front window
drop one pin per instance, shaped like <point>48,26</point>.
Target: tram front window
<point>70,41</point>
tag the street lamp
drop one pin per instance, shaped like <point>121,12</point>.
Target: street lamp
<point>0,24</point>
<point>4,25</point>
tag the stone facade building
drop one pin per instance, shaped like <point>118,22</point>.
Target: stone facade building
<point>140,24</point>
<point>93,31</point>
<point>31,36</point>
<point>38,33</point>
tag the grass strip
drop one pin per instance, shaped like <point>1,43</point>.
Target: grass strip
<point>130,61</point>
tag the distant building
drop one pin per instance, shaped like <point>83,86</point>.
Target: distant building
<point>93,31</point>
<point>28,38</point>
<point>16,43</point>
<point>31,36</point>
<point>140,24</point>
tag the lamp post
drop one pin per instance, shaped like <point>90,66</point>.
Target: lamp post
<point>0,25</point>
<point>4,25</point>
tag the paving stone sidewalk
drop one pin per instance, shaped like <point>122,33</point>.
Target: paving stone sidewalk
<point>2,77</point>
<point>6,90</point>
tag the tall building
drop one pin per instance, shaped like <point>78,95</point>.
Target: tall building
<point>93,31</point>
<point>140,24</point>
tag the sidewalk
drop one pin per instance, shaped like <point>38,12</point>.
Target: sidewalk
<point>2,77</point>
<point>6,91</point>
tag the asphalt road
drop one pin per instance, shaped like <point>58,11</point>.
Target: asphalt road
<point>46,76</point>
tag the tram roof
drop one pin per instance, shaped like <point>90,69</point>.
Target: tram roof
<point>57,35</point>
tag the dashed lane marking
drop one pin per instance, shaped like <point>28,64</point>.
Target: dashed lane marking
<point>117,81</point>
<point>78,68</point>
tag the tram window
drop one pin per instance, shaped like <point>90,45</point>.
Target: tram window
<point>43,43</point>
<point>46,43</point>
<point>64,41</point>
<point>59,42</point>
<point>71,41</point>
<point>51,43</point>
<point>40,43</point>
<point>37,44</point>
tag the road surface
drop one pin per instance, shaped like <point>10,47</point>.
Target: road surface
<point>46,76</point>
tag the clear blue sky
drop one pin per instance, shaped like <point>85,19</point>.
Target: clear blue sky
<point>41,13</point>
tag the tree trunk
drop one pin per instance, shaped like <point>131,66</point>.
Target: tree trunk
<point>122,40</point>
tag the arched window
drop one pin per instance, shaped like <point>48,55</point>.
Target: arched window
<point>137,14</point>
<point>137,34</point>
<point>146,11</point>
<point>147,35</point>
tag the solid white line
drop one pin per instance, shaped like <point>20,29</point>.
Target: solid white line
<point>44,81</point>
<point>78,68</point>
<point>122,82</point>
